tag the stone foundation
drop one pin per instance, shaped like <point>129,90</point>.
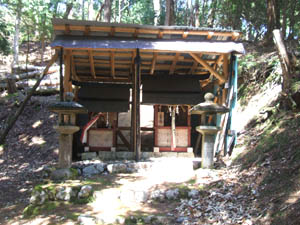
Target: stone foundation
<point>130,155</point>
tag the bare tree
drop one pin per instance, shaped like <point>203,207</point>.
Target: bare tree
<point>107,11</point>
<point>271,16</point>
<point>170,15</point>
<point>17,34</point>
<point>68,10</point>
<point>156,4</point>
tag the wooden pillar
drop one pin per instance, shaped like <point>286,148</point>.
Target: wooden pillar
<point>61,77</point>
<point>136,107</point>
<point>225,73</point>
<point>67,76</point>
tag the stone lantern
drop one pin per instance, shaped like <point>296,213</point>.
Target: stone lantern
<point>66,127</point>
<point>208,128</point>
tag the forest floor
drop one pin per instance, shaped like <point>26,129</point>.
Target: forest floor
<point>260,183</point>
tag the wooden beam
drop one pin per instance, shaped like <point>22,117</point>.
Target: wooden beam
<point>128,55</point>
<point>74,69</point>
<point>136,33</point>
<point>210,69</point>
<point>67,75</point>
<point>160,34</point>
<point>133,54</point>
<point>172,68</point>
<point>185,34</point>
<point>235,36</point>
<point>92,65</point>
<point>225,66</point>
<point>67,29</point>
<point>87,30</point>
<point>146,30</point>
<point>112,32</point>
<point>210,34</point>
<point>219,60</point>
<point>112,63</point>
<point>153,63</point>
<point>195,65</point>
<point>136,107</point>
<point>123,139</point>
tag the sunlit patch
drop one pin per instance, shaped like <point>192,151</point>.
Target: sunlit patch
<point>56,151</point>
<point>51,116</point>
<point>36,124</point>
<point>293,198</point>
<point>23,190</point>
<point>37,141</point>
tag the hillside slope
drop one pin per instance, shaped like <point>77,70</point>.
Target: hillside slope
<point>269,145</point>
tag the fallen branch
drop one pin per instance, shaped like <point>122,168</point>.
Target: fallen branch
<point>14,116</point>
<point>24,76</point>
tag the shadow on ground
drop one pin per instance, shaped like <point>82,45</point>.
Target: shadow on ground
<point>271,163</point>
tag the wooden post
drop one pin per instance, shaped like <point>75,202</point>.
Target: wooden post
<point>136,106</point>
<point>173,129</point>
<point>61,77</point>
<point>67,75</point>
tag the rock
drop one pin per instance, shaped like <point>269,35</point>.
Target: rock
<point>93,170</point>
<point>193,193</point>
<point>85,191</point>
<point>172,194</point>
<point>47,170</point>
<point>157,195</point>
<point>117,168</point>
<point>86,220</point>
<point>38,197</point>
<point>153,220</point>
<point>181,219</point>
<point>100,167</point>
<point>141,196</point>
<point>65,193</point>
<point>61,174</point>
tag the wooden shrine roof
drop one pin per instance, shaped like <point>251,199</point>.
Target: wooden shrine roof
<point>106,51</point>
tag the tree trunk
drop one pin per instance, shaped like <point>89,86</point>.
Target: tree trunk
<point>82,9</point>
<point>11,86</point>
<point>271,16</point>
<point>286,68</point>
<point>156,5</point>
<point>107,11</point>
<point>212,15</point>
<point>170,16</point>
<point>17,34</point>
<point>90,13</point>
<point>14,116</point>
<point>68,10</point>
<point>197,13</point>
<point>284,19</point>
<point>292,19</point>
